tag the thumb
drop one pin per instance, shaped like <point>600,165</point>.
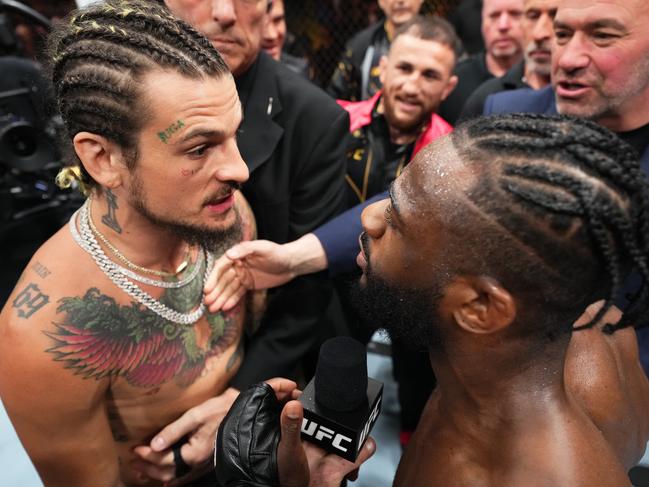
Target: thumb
<point>244,249</point>
<point>292,465</point>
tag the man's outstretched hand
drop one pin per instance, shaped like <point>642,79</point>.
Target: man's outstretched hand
<point>260,264</point>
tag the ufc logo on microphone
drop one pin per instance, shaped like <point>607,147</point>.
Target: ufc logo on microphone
<point>323,434</point>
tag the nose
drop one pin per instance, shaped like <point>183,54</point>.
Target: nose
<point>542,30</point>
<point>373,219</point>
<point>270,31</point>
<point>224,12</point>
<point>571,54</point>
<point>504,21</point>
<point>231,166</point>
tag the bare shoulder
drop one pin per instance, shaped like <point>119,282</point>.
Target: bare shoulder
<point>248,222</point>
<point>32,312</point>
<point>604,374</point>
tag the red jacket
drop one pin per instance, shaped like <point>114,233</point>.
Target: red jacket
<point>360,115</point>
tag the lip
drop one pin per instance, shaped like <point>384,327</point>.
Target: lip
<point>408,106</point>
<point>222,206</point>
<point>224,41</point>
<point>571,90</point>
<point>540,54</point>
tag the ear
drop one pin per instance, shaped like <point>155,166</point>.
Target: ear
<point>480,305</point>
<point>450,86</point>
<point>383,63</point>
<point>101,158</point>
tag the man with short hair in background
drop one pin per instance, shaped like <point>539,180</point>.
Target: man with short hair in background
<point>357,76</point>
<point>534,70</point>
<point>274,37</point>
<point>503,36</point>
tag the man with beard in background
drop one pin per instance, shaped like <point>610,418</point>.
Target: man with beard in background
<point>534,70</point>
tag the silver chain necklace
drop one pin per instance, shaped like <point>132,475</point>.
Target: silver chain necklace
<point>87,223</point>
<point>87,242</point>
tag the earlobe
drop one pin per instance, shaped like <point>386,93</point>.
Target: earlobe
<point>100,157</point>
<point>483,306</point>
<point>452,83</point>
<point>383,62</point>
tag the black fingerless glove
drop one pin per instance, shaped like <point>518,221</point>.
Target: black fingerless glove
<point>245,453</point>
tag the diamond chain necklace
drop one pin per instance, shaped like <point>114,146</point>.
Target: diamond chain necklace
<point>86,240</point>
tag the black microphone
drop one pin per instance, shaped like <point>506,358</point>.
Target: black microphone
<point>341,404</point>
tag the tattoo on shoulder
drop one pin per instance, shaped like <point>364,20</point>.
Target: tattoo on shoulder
<point>29,301</point>
<point>109,219</point>
<point>41,270</point>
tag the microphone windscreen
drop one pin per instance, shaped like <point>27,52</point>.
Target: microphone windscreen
<point>340,381</point>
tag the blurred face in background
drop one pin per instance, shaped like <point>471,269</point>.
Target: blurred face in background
<point>398,12</point>
<point>501,27</point>
<point>233,26</point>
<point>275,30</point>
<point>538,16</point>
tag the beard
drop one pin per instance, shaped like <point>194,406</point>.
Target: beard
<point>406,314</point>
<point>216,241</point>
<point>409,126</point>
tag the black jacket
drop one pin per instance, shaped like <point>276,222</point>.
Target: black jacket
<point>511,80</point>
<point>293,139</point>
<point>357,76</point>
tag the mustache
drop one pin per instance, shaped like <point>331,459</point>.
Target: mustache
<point>365,245</point>
<point>230,187</point>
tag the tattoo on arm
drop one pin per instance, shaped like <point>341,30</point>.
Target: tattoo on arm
<point>109,218</point>
<point>29,300</point>
<point>41,270</point>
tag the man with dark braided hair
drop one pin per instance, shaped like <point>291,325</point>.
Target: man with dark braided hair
<point>493,242</point>
<point>491,245</point>
<point>105,338</point>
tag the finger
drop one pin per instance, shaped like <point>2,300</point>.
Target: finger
<point>227,290</point>
<point>292,463</point>
<point>221,265</point>
<point>163,458</point>
<point>175,431</point>
<point>282,387</point>
<point>164,474</point>
<point>366,452</point>
<point>235,298</point>
<point>224,280</point>
<point>244,249</point>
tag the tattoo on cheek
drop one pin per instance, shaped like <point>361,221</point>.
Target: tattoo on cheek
<point>188,172</point>
<point>166,134</point>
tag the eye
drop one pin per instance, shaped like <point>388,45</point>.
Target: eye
<point>198,152</point>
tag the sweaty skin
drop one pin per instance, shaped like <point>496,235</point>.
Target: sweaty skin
<point>95,372</point>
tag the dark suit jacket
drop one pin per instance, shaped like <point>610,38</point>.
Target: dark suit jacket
<point>293,140</point>
<point>524,100</point>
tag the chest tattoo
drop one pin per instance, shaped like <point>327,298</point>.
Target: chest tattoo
<point>100,338</point>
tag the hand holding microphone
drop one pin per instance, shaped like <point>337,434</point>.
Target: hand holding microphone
<point>258,443</point>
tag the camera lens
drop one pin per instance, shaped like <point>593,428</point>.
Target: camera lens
<point>21,140</point>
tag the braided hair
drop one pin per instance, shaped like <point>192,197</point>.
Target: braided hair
<point>572,196</point>
<point>98,55</point>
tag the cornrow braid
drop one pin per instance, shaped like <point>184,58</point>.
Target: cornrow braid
<point>98,56</point>
<point>574,185</point>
